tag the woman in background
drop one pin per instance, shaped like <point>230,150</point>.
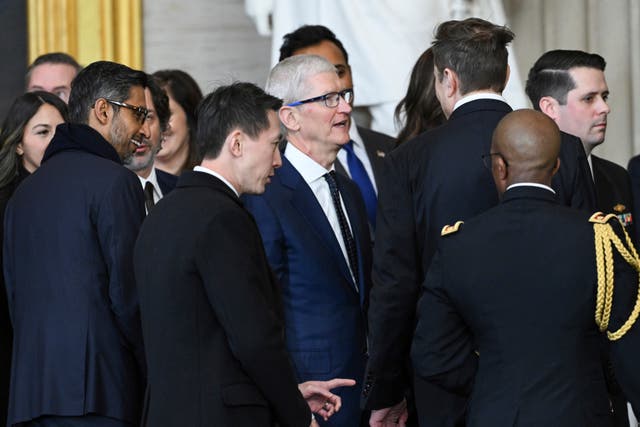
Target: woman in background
<point>25,133</point>
<point>179,152</point>
<point>420,109</point>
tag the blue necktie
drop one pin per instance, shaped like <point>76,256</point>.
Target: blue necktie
<point>360,176</point>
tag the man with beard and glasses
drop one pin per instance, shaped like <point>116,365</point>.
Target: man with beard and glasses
<point>70,228</point>
<point>156,183</point>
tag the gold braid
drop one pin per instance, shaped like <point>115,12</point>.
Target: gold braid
<point>605,238</point>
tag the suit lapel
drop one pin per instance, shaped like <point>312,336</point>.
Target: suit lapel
<point>305,202</point>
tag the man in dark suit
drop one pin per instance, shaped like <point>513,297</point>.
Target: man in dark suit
<point>211,310</point>
<point>314,227</point>
<point>362,158</point>
<point>507,313</point>
<point>69,234</point>
<point>428,182</point>
<point>155,183</point>
<point>570,87</point>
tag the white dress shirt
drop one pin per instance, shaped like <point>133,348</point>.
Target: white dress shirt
<point>531,184</point>
<point>360,151</point>
<point>313,174</point>
<point>476,96</point>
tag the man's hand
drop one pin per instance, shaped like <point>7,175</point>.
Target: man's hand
<point>395,416</point>
<point>319,397</point>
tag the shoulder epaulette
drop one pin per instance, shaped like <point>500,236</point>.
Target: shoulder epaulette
<point>450,229</point>
<point>600,218</point>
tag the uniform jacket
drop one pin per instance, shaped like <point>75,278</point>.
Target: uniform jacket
<point>68,264</point>
<point>515,327</point>
<point>324,314</point>
<point>212,315</point>
<point>166,181</point>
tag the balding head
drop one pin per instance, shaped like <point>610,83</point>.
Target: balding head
<point>528,143</point>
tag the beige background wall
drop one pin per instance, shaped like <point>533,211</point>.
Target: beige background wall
<point>217,43</point>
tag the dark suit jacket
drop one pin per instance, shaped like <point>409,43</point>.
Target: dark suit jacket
<point>211,315</point>
<point>377,145</point>
<point>428,182</point>
<point>613,190</point>
<point>325,316</point>
<point>68,266</point>
<point>525,301</point>
<point>166,181</point>
<point>6,333</point>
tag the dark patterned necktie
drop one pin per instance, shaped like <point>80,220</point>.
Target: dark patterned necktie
<point>360,176</point>
<point>347,237</point>
<point>148,196</point>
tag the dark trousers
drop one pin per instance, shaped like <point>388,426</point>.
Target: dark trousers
<point>83,421</point>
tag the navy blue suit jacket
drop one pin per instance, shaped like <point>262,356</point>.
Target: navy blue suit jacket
<point>525,300</point>
<point>70,229</point>
<point>325,317</point>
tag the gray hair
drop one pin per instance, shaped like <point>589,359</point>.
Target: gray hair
<point>288,80</point>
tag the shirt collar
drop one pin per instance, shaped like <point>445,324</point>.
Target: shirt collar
<point>305,165</point>
<point>153,178</point>
<point>354,134</point>
<point>217,175</point>
<point>531,184</point>
<point>476,96</point>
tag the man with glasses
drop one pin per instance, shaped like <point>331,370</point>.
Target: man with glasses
<point>314,227</point>
<point>509,315</point>
<point>78,358</point>
<point>362,157</point>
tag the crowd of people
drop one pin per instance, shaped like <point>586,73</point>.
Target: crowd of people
<point>254,257</point>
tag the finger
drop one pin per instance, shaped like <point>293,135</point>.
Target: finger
<point>340,382</point>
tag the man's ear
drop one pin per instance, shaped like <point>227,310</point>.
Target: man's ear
<point>235,143</point>
<point>556,167</point>
<point>550,106</point>
<point>450,82</point>
<point>289,118</point>
<point>101,111</point>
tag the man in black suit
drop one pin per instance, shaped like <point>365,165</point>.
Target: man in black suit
<point>569,86</point>
<point>507,313</point>
<point>78,357</point>
<point>156,183</point>
<point>362,158</point>
<point>429,181</point>
<point>211,311</point>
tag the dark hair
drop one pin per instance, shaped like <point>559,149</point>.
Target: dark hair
<point>476,50</point>
<point>185,91</point>
<point>101,79</point>
<point>550,76</point>
<point>51,58</point>
<point>12,132</point>
<point>309,35</point>
<point>241,106</point>
<point>419,109</point>
<point>160,101</point>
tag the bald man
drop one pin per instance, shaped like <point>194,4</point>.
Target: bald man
<point>507,313</point>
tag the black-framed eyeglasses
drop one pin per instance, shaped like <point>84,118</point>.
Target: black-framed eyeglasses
<point>486,159</point>
<point>331,99</point>
<point>141,113</point>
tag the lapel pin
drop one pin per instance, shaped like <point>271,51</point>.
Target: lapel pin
<point>380,153</point>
